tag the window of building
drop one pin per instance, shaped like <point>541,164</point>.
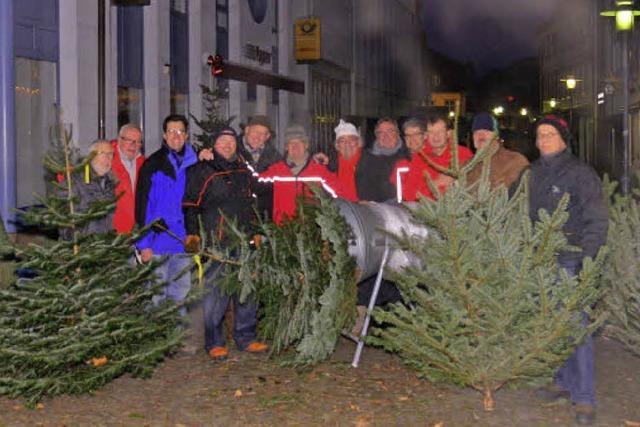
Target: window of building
<point>130,65</point>
<point>179,57</point>
<point>222,39</point>
<point>36,91</point>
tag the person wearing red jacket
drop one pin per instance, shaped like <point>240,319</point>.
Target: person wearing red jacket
<point>127,160</point>
<point>291,177</point>
<point>435,155</point>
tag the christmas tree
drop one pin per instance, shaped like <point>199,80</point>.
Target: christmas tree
<point>213,119</point>
<point>621,278</point>
<point>86,317</point>
<point>489,304</point>
<point>301,276</point>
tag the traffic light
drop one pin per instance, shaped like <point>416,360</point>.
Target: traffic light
<point>216,63</point>
<point>511,98</point>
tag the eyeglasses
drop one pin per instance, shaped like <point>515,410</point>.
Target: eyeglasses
<point>105,154</point>
<point>131,141</point>
<point>547,135</point>
<point>387,132</point>
<point>413,135</point>
<point>177,132</point>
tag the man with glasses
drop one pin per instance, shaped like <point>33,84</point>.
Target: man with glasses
<point>127,161</point>
<point>555,173</point>
<point>159,193</point>
<point>431,160</point>
<point>91,185</point>
<point>377,163</point>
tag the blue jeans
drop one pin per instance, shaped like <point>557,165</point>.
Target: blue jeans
<point>177,286</point>
<point>577,374</point>
<point>214,307</point>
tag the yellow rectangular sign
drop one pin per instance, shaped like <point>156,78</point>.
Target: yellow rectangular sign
<point>307,42</point>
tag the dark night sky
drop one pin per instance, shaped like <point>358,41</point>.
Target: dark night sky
<point>488,33</point>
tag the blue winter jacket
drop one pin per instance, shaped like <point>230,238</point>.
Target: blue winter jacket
<point>159,193</point>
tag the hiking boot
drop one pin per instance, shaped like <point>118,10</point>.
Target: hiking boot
<point>552,393</point>
<point>256,347</point>
<point>219,353</point>
<point>585,414</point>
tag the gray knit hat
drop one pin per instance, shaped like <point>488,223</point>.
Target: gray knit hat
<point>296,132</point>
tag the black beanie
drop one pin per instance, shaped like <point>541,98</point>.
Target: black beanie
<point>560,124</point>
<point>225,130</point>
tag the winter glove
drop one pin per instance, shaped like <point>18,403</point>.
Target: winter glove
<point>192,244</point>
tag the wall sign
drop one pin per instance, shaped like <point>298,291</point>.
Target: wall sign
<point>254,53</point>
<point>307,42</point>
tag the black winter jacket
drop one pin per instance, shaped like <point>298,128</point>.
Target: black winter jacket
<point>215,187</point>
<point>586,228</point>
<point>372,175</point>
<point>264,192</point>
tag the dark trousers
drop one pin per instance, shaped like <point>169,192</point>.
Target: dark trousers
<point>215,304</point>
<point>577,374</point>
<point>388,292</point>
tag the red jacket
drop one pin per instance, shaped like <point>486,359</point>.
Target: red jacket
<point>414,181</point>
<point>287,187</point>
<point>124,215</point>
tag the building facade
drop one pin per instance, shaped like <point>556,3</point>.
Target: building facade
<point>588,48</point>
<point>370,65</point>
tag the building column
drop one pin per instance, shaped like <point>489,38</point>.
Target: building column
<point>7,118</point>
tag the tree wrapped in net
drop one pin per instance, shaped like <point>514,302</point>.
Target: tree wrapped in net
<point>489,305</point>
<point>86,317</point>
<point>301,276</point>
<point>621,278</point>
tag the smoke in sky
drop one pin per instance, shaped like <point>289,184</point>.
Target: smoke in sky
<point>488,33</point>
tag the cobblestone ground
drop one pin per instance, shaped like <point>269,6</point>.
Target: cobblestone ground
<point>253,391</point>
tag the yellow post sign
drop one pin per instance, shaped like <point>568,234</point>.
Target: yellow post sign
<point>307,39</point>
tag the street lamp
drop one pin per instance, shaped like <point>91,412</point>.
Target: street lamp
<point>571,83</point>
<point>498,110</point>
<point>624,14</point>
<point>552,103</point>
<point>523,111</point>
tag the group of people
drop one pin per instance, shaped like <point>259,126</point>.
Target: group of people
<point>245,174</point>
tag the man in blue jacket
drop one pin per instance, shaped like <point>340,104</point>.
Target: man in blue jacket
<point>159,193</point>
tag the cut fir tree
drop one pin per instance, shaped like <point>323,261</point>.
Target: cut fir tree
<point>86,317</point>
<point>302,278</point>
<point>621,278</point>
<point>490,305</point>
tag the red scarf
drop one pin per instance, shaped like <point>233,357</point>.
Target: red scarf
<point>347,175</point>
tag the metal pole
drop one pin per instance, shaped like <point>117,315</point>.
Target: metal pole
<point>7,118</point>
<point>372,303</point>
<point>101,69</point>
<point>625,114</point>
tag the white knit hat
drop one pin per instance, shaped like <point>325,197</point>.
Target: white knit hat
<point>345,128</point>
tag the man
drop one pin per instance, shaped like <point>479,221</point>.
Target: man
<point>218,189</point>
<point>349,148</point>
<point>377,163</point>
<point>433,159</point>
<point>159,194</point>
<point>505,166</point>
<point>291,177</point>
<point>94,184</point>
<point>257,150</point>
<point>414,132</point>
<point>127,161</point>
<point>555,173</point>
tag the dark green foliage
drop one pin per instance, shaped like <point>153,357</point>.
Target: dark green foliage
<point>212,121</point>
<point>621,278</point>
<point>489,305</point>
<point>302,278</point>
<point>87,302</point>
